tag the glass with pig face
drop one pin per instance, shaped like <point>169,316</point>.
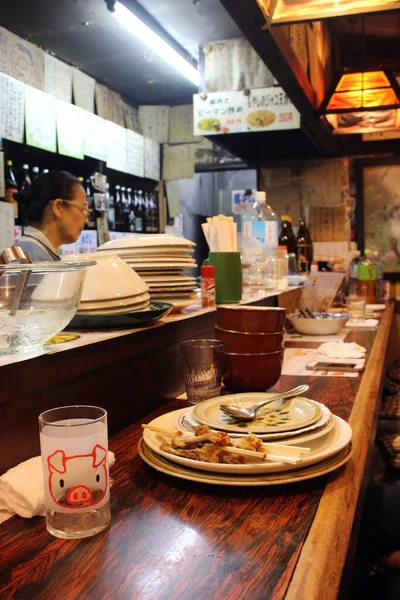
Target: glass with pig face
<point>74,449</point>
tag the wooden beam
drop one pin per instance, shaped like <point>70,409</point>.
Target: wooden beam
<point>275,52</point>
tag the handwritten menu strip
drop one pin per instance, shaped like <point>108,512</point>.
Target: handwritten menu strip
<point>328,223</point>
<point>109,105</point>
<point>132,118</point>
<point>322,182</point>
<point>57,78</point>
<point>21,59</point>
<point>11,109</point>
<point>264,109</point>
<point>70,130</point>
<point>174,206</point>
<point>154,122</point>
<point>232,65</point>
<point>95,133</point>
<point>298,41</point>
<point>116,147</point>
<point>6,225</point>
<point>40,119</point>
<point>83,88</point>
<point>2,183</point>
<point>134,153</point>
<point>178,161</point>
<point>181,124</point>
<point>151,159</point>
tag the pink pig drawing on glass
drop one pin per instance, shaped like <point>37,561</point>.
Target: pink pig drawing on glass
<point>78,481</point>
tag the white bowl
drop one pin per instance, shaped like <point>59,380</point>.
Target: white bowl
<point>137,241</point>
<point>111,278</point>
<point>323,324</point>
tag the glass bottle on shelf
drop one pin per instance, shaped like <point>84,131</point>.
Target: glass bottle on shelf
<point>119,210</point>
<point>304,247</point>
<point>125,209</point>
<point>35,173</point>
<point>138,211</point>
<point>147,212</point>
<point>287,237</point>
<point>25,180</point>
<point>131,202</point>
<point>11,188</point>
<point>91,224</point>
<point>111,208</point>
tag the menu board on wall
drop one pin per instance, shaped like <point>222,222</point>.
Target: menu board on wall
<point>265,109</point>
<point>6,225</point>
<point>151,159</point>
<point>83,87</point>
<point>70,130</point>
<point>40,119</point>
<point>174,205</point>
<point>21,59</point>
<point>178,161</point>
<point>181,124</point>
<point>132,118</point>
<point>116,147</point>
<point>328,223</point>
<point>154,122</point>
<point>109,105</point>
<point>322,182</point>
<point>95,132</point>
<point>134,153</point>
<point>57,78</point>
<point>233,65</point>
<point>11,109</point>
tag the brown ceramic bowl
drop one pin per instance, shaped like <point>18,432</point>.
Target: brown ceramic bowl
<point>251,372</point>
<point>251,319</point>
<point>245,342</point>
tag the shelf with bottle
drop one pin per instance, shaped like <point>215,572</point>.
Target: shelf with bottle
<point>138,212</point>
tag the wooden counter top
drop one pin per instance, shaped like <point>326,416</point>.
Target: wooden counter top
<point>172,539</point>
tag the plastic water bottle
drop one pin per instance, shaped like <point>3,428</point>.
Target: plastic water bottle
<point>353,274</point>
<point>260,223</point>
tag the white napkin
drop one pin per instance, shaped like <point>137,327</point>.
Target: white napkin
<point>367,323</point>
<point>21,489</point>
<point>342,350</point>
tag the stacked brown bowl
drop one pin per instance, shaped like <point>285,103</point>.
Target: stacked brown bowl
<point>253,350</point>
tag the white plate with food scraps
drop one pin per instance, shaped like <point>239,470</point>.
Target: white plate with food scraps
<point>188,422</point>
<point>337,439</point>
<point>302,474</point>
<point>281,416</point>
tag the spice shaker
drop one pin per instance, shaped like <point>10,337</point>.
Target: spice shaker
<point>207,279</point>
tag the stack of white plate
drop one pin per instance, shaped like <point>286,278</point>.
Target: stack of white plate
<point>111,287</point>
<point>163,262</point>
<point>300,422</point>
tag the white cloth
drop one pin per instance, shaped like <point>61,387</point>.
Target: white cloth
<point>21,489</point>
<point>367,323</point>
<point>342,350</point>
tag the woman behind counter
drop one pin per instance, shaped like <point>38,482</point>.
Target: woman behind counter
<point>55,209</point>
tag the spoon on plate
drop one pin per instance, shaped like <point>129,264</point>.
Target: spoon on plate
<point>248,414</point>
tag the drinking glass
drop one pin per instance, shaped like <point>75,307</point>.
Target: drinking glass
<point>203,365</point>
<point>356,306</point>
<point>74,448</point>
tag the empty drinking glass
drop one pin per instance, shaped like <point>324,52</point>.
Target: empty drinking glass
<point>203,364</point>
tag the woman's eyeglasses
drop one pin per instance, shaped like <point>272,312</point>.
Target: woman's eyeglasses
<point>84,210</point>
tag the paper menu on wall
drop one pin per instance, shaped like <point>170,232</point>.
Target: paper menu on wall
<point>151,159</point>
<point>40,119</point>
<point>233,65</point>
<point>95,134</point>
<point>116,147</point>
<point>11,109</point>
<point>328,223</point>
<point>132,118</point>
<point>6,225</point>
<point>21,59</point>
<point>57,78</point>
<point>154,122</point>
<point>322,182</point>
<point>2,182</point>
<point>178,162</point>
<point>181,125</point>
<point>70,130</point>
<point>172,190</point>
<point>83,87</point>
<point>109,105</point>
<point>134,153</point>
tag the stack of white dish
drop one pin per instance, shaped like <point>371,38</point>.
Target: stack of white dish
<point>299,427</point>
<point>163,261</point>
<point>111,287</point>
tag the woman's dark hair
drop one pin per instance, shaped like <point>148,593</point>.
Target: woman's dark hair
<point>45,188</point>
